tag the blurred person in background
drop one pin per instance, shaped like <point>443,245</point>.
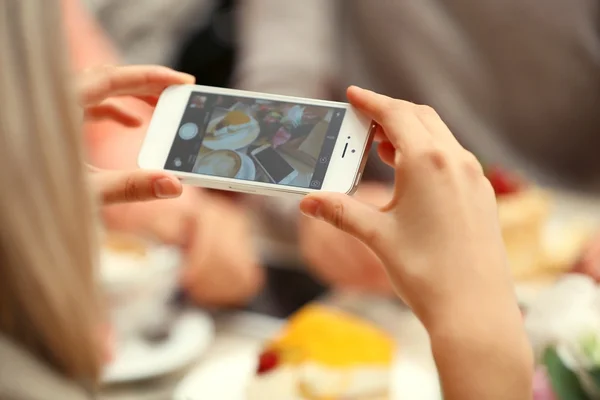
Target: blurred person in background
<point>51,341</point>
<point>191,35</point>
<point>207,226</point>
<point>516,81</point>
<point>198,37</point>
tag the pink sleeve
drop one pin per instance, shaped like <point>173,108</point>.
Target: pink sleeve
<point>286,47</point>
<point>110,145</point>
<point>88,44</point>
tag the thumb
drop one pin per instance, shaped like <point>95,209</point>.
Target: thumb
<point>360,220</point>
<point>135,185</point>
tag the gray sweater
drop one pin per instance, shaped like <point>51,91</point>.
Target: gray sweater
<point>23,377</point>
<point>518,81</point>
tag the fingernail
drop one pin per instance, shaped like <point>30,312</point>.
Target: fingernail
<point>189,77</point>
<point>358,88</point>
<point>311,208</point>
<point>165,188</point>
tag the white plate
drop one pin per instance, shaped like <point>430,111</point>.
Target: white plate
<point>192,333</point>
<point>414,373</point>
<point>247,170</point>
<point>226,378</point>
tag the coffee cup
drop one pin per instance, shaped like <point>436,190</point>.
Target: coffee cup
<point>223,163</point>
<point>138,278</point>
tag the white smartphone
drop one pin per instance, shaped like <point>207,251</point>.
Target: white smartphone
<point>255,142</point>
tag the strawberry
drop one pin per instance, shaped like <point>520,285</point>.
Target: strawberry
<point>503,182</point>
<point>267,361</point>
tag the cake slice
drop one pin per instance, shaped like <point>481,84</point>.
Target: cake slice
<point>523,211</point>
<point>325,354</point>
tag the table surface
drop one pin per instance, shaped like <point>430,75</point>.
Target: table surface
<point>238,331</point>
<point>163,388</point>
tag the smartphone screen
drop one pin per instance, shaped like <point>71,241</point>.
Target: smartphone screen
<point>218,134</point>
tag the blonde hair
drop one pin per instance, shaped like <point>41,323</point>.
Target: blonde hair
<point>48,301</point>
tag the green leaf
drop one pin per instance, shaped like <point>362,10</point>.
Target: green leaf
<point>564,382</point>
<point>595,376</point>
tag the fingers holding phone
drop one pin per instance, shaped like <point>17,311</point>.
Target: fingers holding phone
<point>341,260</point>
<point>439,240</point>
<point>441,224</point>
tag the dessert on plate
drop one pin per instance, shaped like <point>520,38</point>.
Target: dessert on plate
<point>325,354</point>
<point>523,211</point>
<point>233,122</point>
<point>588,262</point>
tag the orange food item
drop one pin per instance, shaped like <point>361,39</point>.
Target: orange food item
<point>332,338</point>
<point>122,243</point>
<point>325,354</point>
<point>235,118</point>
<point>523,211</point>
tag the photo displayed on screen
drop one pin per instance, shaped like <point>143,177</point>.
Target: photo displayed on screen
<point>256,140</point>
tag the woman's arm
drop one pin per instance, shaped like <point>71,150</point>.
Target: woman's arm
<point>88,44</point>
<point>109,144</point>
<point>482,356</point>
<point>440,242</point>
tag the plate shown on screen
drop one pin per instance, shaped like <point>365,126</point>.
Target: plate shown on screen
<point>247,169</point>
<point>231,141</point>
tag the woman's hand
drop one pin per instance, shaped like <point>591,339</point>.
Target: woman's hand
<point>99,93</point>
<point>113,146</point>
<point>205,227</point>
<point>440,242</point>
<point>341,260</point>
<point>222,267</point>
<point>114,187</point>
<point>99,90</point>
<point>441,225</point>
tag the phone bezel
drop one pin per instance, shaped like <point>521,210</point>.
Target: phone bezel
<point>342,174</point>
